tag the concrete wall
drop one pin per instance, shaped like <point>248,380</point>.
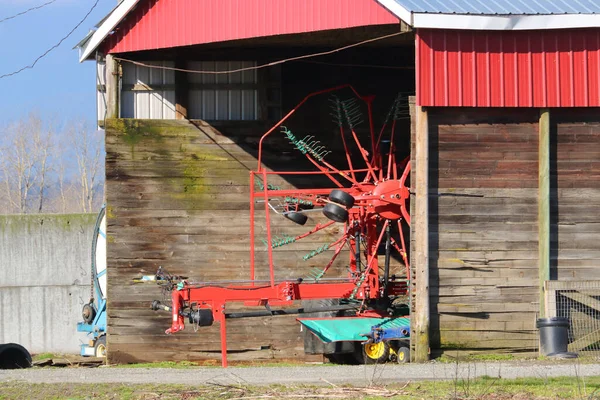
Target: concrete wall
<point>44,279</point>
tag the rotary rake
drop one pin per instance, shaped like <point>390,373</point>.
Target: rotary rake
<point>369,196</point>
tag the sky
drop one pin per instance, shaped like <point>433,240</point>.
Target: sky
<point>58,86</point>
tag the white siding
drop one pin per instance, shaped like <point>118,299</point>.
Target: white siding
<point>148,104</point>
<point>211,104</point>
<point>100,94</point>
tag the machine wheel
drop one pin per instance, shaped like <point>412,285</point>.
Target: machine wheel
<point>100,347</point>
<point>403,355</point>
<point>335,213</point>
<point>88,313</point>
<point>374,353</point>
<point>341,197</point>
<point>296,217</point>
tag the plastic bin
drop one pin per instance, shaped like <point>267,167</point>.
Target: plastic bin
<point>554,335</point>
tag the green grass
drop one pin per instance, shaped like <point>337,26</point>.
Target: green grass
<point>42,356</point>
<point>481,388</point>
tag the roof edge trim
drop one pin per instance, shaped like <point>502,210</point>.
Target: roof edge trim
<point>106,27</point>
<point>505,22</point>
<point>395,8</point>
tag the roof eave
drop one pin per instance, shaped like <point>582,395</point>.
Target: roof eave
<point>395,8</point>
<point>105,28</point>
<point>505,22</point>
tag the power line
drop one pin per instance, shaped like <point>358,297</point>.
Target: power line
<point>273,63</point>
<point>28,10</point>
<point>53,47</point>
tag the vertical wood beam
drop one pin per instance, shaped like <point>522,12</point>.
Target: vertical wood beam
<point>112,87</point>
<point>181,91</point>
<point>544,205</point>
<point>421,221</point>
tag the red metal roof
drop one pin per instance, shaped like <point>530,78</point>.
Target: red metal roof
<point>156,24</point>
<point>559,68</point>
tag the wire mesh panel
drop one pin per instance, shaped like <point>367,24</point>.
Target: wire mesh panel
<point>579,301</point>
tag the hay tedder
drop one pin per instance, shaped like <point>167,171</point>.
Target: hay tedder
<point>369,200</point>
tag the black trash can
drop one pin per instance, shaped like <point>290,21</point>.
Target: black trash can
<point>554,335</point>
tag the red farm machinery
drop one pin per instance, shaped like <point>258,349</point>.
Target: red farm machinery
<point>368,199</point>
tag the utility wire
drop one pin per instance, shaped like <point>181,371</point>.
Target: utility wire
<point>28,10</point>
<point>30,66</point>
<point>273,63</point>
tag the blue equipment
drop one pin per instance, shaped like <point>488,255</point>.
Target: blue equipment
<point>94,312</point>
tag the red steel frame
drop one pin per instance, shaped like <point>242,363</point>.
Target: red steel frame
<point>379,199</point>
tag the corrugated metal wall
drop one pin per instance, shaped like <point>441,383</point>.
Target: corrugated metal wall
<point>237,101</point>
<point>159,24</point>
<point>155,102</point>
<point>558,68</point>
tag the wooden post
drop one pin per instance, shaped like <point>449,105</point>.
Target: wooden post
<point>421,220</point>
<point>544,206</point>
<point>181,91</point>
<point>112,87</point>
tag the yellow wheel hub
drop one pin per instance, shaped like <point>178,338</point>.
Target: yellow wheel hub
<point>375,350</point>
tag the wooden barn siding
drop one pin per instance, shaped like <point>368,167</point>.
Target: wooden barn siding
<point>483,228</point>
<point>575,194</point>
<point>178,197</point>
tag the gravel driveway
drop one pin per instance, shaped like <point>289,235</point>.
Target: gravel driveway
<point>355,375</point>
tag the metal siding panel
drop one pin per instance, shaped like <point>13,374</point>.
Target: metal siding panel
<point>523,70</point>
<point>453,56</point>
<point>127,105</point>
<point>551,81</point>
<point>209,105</point>
<point>593,45</point>
<point>495,92</point>
<point>173,23</point>
<point>508,69</point>
<point>564,65</point>
<point>440,81</point>
<point>195,104</point>
<point>169,105</point>
<point>481,71</point>
<point>222,105</point>
<point>249,105</point>
<point>235,105</point>
<point>580,84</point>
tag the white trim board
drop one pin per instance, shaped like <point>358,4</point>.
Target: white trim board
<point>490,22</point>
<point>106,27</point>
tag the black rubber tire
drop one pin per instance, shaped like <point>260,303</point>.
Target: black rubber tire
<point>88,313</point>
<point>403,355</point>
<point>100,347</point>
<point>341,197</point>
<point>335,213</point>
<point>296,217</point>
<point>14,356</point>
<point>363,357</point>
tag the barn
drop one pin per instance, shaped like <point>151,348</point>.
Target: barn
<point>500,119</point>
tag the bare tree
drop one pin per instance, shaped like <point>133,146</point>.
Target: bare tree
<point>88,150</point>
<point>45,169</point>
<point>20,162</point>
<point>43,145</point>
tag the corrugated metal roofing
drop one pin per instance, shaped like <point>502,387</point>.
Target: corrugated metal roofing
<point>502,7</point>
